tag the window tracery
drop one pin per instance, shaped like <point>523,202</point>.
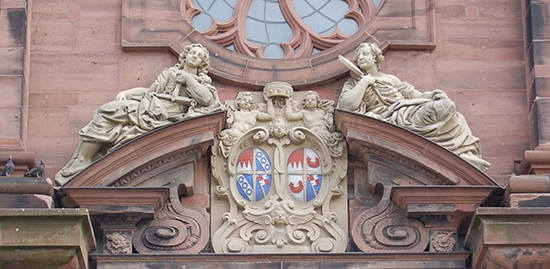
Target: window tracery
<point>278,29</point>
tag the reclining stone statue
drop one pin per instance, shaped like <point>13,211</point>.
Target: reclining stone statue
<point>179,92</point>
<point>385,97</point>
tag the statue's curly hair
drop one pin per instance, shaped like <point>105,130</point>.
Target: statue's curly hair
<point>241,96</point>
<point>376,52</point>
<point>202,70</point>
<point>317,97</point>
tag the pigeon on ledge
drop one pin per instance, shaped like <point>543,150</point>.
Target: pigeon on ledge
<point>36,171</point>
<point>8,168</point>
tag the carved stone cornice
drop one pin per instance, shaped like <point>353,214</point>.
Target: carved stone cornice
<point>294,260</point>
<point>158,144</point>
<point>106,199</point>
<point>509,237</point>
<point>144,169</point>
<point>405,162</point>
<point>404,145</point>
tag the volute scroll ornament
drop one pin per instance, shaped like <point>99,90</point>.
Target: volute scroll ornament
<point>277,184</point>
<point>174,230</point>
<point>384,228</point>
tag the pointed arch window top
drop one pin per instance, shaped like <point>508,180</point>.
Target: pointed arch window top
<point>278,29</point>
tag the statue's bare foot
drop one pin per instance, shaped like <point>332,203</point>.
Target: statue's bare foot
<point>483,165</point>
<point>77,166</point>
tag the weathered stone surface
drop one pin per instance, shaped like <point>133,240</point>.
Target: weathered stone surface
<point>290,260</point>
<point>26,201</point>
<point>45,236</point>
<point>517,200</point>
<point>508,236</point>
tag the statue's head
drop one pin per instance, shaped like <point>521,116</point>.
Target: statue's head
<point>202,69</point>
<point>375,50</point>
<point>311,100</point>
<point>244,100</point>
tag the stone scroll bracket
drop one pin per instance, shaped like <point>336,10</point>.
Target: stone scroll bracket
<point>151,195</point>
<point>410,194</point>
<point>157,24</point>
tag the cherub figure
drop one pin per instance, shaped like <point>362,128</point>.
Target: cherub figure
<point>245,116</point>
<point>316,115</point>
<point>241,118</point>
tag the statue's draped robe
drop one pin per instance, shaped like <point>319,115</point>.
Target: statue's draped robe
<point>436,120</point>
<point>117,122</point>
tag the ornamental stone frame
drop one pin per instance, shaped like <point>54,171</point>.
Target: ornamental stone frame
<point>281,185</point>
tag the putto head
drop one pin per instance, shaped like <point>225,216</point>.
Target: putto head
<point>244,100</point>
<point>310,96</point>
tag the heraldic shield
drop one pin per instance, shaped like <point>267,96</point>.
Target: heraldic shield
<point>254,174</point>
<point>304,172</point>
<point>277,184</point>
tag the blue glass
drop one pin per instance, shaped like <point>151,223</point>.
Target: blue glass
<point>221,10</point>
<point>266,25</point>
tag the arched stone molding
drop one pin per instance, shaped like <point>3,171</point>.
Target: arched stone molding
<point>147,150</point>
<point>144,190</point>
<point>379,142</point>
<point>157,24</point>
<point>384,219</point>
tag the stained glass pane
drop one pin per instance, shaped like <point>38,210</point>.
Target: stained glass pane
<point>266,25</point>
<point>221,10</point>
<point>323,16</point>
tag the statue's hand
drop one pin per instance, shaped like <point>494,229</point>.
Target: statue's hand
<point>183,76</point>
<point>368,79</point>
<point>120,96</point>
<point>289,99</point>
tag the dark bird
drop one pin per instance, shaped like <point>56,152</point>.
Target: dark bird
<point>8,168</point>
<point>36,171</point>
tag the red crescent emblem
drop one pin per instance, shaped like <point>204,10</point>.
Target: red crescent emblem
<point>297,189</point>
<point>313,165</point>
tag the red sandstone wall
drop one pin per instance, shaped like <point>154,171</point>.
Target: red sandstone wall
<point>76,64</point>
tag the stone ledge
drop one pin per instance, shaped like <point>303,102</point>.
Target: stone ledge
<point>288,260</point>
<point>31,238</point>
<point>510,237</point>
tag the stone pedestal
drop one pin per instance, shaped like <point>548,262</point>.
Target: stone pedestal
<point>510,238</point>
<point>45,238</point>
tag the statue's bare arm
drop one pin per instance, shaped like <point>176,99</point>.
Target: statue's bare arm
<point>198,91</point>
<point>124,95</point>
<point>351,96</point>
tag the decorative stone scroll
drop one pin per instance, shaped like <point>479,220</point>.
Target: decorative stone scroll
<point>175,230</point>
<point>384,228</point>
<point>279,175</point>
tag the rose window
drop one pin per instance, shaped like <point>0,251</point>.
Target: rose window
<point>278,29</point>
